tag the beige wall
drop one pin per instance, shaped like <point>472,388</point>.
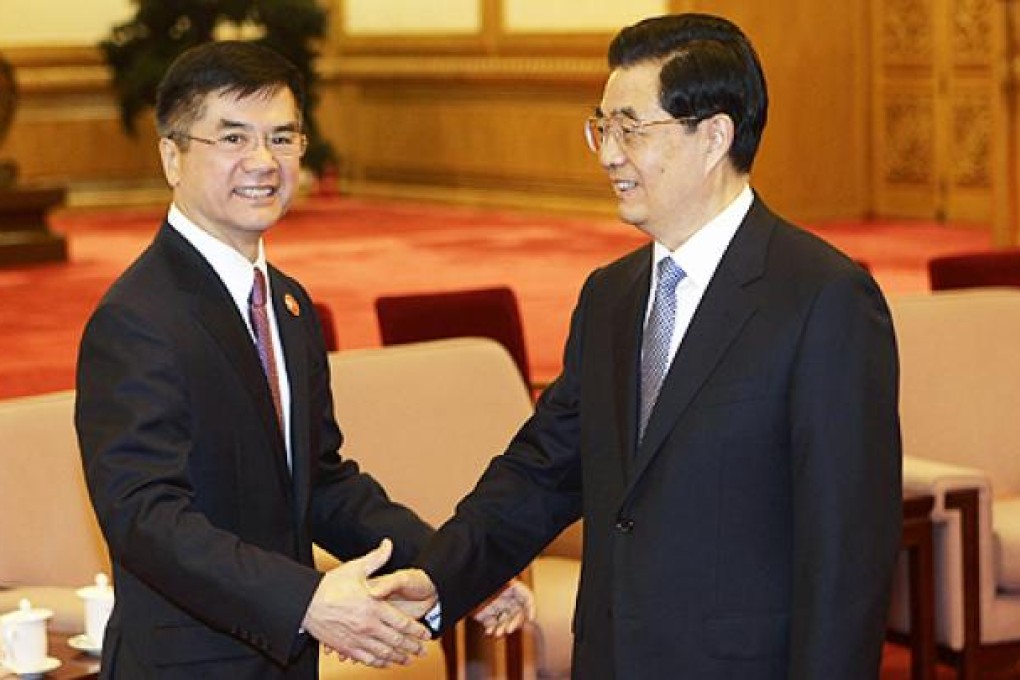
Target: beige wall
<point>381,17</point>
<point>543,16</point>
<point>60,22</point>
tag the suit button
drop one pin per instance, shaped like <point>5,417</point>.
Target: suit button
<point>624,525</point>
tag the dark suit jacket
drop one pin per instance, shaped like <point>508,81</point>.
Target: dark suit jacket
<point>753,533</point>
<point>209,532</point>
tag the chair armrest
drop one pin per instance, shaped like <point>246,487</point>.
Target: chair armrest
<point>939,479</point>
<point>963,544</point>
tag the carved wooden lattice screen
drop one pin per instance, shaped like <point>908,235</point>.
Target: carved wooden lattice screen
<point>939,108</point>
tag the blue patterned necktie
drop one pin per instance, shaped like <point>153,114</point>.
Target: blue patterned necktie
<point>657,336</point>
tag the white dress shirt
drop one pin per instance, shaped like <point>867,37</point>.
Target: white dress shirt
<point>699,256</point>
<point>238,275</point>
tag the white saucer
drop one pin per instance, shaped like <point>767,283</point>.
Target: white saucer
<point>50,664</point>
<point>83,644</point>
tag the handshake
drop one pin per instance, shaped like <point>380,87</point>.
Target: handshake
<point>374,621</point>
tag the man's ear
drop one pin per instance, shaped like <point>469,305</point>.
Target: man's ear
<point>719,131</point>
<point>170,156</point>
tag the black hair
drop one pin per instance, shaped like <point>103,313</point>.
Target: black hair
<point>708,67</point>
<point>235,67</point>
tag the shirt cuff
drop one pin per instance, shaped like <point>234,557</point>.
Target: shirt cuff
<point>434,618</point>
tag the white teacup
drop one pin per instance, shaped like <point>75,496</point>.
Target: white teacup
<point>23,632</point>
<point>98,605</point>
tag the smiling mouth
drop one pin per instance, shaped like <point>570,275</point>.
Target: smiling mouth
<point>623,186</point>
<point>256,193</point>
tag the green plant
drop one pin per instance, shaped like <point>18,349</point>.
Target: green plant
<point>139,51</point>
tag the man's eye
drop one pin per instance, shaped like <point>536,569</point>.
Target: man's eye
<point>233,139</point>
<point>283,139</point>
<point>628,130</point>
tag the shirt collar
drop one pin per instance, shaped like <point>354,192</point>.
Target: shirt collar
<point>699,256</point>
<point>234,269</point>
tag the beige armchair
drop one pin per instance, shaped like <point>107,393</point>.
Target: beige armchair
<point>960,409</point>
<point>50,543</point>
<point>554,579</point>
<point>425,419</point>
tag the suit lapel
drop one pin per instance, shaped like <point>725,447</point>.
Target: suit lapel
<point>722,313</point>
<point>627,320</point>
<point>295,353</point>
<point>215,311</point>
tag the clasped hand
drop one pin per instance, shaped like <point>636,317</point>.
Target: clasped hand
<point>358,623</point>
<point>374,621</point>
<point>412,591</point>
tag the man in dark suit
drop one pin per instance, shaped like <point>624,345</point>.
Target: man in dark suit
<point>206,421</point>
<point>726,420</point>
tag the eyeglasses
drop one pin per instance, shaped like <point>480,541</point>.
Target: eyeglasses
<point>281,143</point>
<point>627,132</point>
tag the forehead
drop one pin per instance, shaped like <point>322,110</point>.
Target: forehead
<point>633,89</point>
<point>276,106</point>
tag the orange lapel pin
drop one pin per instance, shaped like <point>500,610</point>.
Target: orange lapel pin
<point>292,305</point>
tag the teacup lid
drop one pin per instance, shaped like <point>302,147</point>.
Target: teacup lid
<point>101,590</point>
<point>25,613</point>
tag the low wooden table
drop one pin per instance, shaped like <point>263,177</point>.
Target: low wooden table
<point>75,665</point>
<point>917,541</point>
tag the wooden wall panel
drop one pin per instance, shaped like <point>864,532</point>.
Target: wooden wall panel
<point>505,132</point>
<point>67,129</point>
<point>496,115</point>
<point>814,156</point>
<point>813,163</point>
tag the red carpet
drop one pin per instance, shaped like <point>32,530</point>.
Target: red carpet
<point>349,251</point>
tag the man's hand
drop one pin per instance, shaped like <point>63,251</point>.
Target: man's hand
<point>507,610</point>
<point>409,590</point>
<point>344,616</point>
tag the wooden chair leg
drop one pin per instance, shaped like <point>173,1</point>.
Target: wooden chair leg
<point>448,642</point>
<point>966,501</point>
<point>515,656</point>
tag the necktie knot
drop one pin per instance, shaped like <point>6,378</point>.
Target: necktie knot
<point>258,289</point>
<point>670,275</point>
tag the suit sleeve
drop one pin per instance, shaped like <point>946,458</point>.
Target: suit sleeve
<point>846,482</point>
<point>525,498</point>
<point>350,511</point>
<point>134,425</point>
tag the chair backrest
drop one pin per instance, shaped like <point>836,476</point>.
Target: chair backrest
<point>960,379</point>
<point>975,270</point>
<point>48,532</point>
<point>328,323</point>
<point>425,419</point>
<point>483,312</point>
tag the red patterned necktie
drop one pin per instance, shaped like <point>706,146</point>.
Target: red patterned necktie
<point>264,339</point>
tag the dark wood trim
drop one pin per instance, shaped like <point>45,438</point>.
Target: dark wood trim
<point>966,502</point>
<point>917,541</point>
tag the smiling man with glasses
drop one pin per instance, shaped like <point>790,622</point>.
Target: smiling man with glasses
<point>206,422</point>
<point>726,420</point>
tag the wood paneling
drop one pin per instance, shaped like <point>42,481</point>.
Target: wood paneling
<point>496,116</point>
<point>508,118</point>
<point>485,123</point>
<point>67,127</point>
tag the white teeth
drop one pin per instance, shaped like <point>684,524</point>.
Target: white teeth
<point>624,184</point>
<point>255,192</point>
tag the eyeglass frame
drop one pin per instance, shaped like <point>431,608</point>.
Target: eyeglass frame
<point>216,143</point>
<point>596,140</point>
